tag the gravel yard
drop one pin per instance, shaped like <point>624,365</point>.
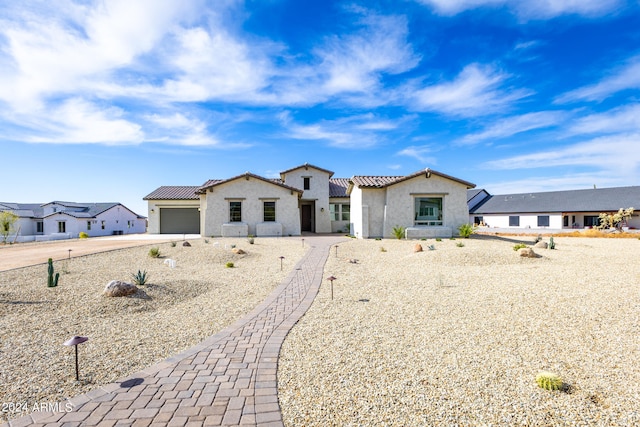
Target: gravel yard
<point>176,310</point>
<point>456,336</point>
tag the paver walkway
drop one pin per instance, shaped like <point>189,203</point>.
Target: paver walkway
<point>228,379</point>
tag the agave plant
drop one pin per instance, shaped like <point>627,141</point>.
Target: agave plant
<point>140,278</point>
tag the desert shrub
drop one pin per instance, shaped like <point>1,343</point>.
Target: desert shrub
<point>140,278</point>
<point>466,230</point>
<point>229,265</point>
<point>382,249</point>
<point>398,231</point>
<point>460,245</point>
<point>206,240</point>
<point>549,381</point>
<point>83,235</point>
<point>173,244</point>
<point>438,239</point>
<point>154,252</point>
<point>519,246</point>
<point>251,239</point>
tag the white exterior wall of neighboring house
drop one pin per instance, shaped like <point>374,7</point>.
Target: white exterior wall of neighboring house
<point>525,220</point>
<point>116,220</point>
<point>24,227</point>
<point>252,193</point>
<point>318,192</point>
<point>154,207</point>
<point>341,225</point>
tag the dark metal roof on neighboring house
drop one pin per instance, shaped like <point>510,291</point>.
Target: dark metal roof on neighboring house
<point>81,210</point>
<point>592,200</point>
<point>174,192</point>
<point>23,210</point>
<point>338,187</point>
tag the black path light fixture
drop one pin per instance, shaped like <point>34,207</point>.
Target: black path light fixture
<point>303,243</point>
<point>281,258</point>
<point>331,279</point>
<point>74,342</point>
<point>336,251</point>
<point>70,253</point>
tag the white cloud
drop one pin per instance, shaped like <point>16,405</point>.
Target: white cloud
<point>613,153</point>
<point>625,77</point>
<point>179,129</point>
<point>510,126</point>
<point>539,9</point>
<point>420,153</point>
<point>78,121</point>
<point>474,92</point>
<point>623,119</point>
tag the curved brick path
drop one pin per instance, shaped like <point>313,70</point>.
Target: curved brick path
<point>228,379</point>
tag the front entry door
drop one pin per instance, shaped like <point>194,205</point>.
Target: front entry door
<point>306,218</point>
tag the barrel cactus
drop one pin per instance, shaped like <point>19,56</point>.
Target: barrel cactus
<point>549,381</point>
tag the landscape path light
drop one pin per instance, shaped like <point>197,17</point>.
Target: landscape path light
<point>331,279</point>
<point>303,243</point>
<point>336,251</point>
<point>69,253</point>
<point>74,342</point>
<point>281,258</point>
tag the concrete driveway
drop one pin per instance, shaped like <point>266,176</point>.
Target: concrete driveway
<point>25,254</point>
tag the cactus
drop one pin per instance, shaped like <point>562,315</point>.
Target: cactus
<point>552,245</point>
<point>549,381</point>
<point>52,281</point>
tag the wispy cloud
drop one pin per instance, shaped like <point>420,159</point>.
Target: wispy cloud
<point>422,153</point>
<point>613,153</point>
<point>475,91</point>
<point>622,119</point>
<point>621,78</point>
<point>543,9</point>
<point>513,125</point>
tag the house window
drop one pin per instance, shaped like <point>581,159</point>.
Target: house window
<point>565,221</point>
<point>543,220</point>
<point>103,224</point>
<point>269,211</point>
<point>235,211</point>
<point>39,227</point>
<point>88,225</point>
<point>62,227</point>
<point>514,221</point>
<point>478,220</point>
<point>129,224</point>
<point>307,182</point>
<point>428,211</point>
<point>591,221</point>
<point>339,212</point>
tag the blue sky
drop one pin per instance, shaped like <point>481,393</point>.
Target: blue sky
<point>107,100</point>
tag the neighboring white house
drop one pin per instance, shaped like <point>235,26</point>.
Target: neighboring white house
<point>66,220</point>
<point>307,199</point>
<point>553,210</point>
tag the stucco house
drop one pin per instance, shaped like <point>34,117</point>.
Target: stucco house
<point>307,198</point>
<point>65,220</point>
<point>557,210</point>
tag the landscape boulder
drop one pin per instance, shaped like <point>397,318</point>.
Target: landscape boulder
<point>116,288</point>
<point>527,253</point>
<point>541,244</point>
<point>238,251</point>
<point>417,247</point>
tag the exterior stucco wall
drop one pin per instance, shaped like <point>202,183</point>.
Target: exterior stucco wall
<point>375,199</point>
<point>154,207</point>
<point>118,219</point>
<point>252,193</point>
<point>318,191</point>
<point>526,220</point>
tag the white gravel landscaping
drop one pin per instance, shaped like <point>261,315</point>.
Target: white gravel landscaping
<point>177,309</point>
<point>457,335</point>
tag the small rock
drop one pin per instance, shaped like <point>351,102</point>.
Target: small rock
<point>116,288</point>
<point>186,244</point>
<point>417,248</point>
<point>353,261</point>
<point>238,251</point>
<point>527,253</point>
<point>541,244</point>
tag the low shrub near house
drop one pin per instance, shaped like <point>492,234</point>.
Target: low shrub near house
<point>83,235</point>
<point>154,252</point>
<point>398,231</point>
<point>229,265</point>
<point>519,246</point>
<point>466,230</point>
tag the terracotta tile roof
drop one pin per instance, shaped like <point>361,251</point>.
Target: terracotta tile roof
<point>173,192</point>
<point>212,183</point>
<point>338,187</point>
<point>385,181</point>
<point>306,166</point>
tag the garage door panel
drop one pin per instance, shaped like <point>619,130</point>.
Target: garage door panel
<point>179,221</point>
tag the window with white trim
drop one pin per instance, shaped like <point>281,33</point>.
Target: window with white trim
<point>340,211</point>
<point>428,211</point>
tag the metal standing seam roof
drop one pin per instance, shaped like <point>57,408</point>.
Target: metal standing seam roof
<point>174,192</point>
<point>338,187</point>
<point>36,210</point>
<point>592,200</point>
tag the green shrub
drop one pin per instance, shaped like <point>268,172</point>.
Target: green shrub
<point>173,244</point>
<point>154,252</point>
<point>251,239</point>
<point>466,230</point>
<point>460,245</point>
<point>552,244</point>
<point>549,381</point>
<point>206,240</point>
<point>398,231</point>
<point>140,278</point>
<point>83,235</point>
<point>519,246</point>
<point>229,264</point>
<point>438,239</point>
<point>382,249</point>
